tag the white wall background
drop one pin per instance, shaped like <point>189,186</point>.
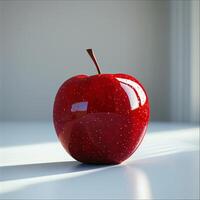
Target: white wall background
<point>40,38</point>
<point>43,43</point>
<point>1,65</point>
<point>184,60</point>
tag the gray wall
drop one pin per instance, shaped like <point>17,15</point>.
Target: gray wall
<point>44,43</point>
<point>185,74</point>
<point>1,64</point>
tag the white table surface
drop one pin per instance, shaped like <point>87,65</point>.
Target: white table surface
<point>33,164</point>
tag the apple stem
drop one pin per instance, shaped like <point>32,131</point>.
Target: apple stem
<point>93,57</point>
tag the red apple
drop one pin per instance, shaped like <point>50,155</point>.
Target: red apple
<point>101,118</point>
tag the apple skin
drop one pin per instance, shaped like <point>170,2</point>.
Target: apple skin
<point>101,119</point>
